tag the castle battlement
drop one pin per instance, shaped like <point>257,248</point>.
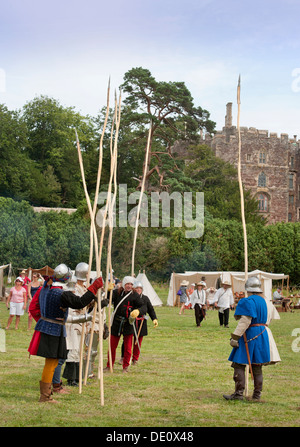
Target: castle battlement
<point>251,131</point>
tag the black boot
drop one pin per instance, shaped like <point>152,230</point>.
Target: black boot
<point>239,379</point>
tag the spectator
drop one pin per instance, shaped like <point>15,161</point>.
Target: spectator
<point>33,286</point>
<point>16,302</point>
<point>224,301</point>
<point>184,295</point>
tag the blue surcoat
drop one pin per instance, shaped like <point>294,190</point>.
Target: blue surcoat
<point>258,340</point>
<point>50,307</point>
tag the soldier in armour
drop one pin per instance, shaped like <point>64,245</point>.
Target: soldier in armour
<point>49,308</point>
<point>252,340</point>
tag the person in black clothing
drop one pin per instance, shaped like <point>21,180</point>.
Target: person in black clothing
<point>141,322</point>
<point>126,303</point>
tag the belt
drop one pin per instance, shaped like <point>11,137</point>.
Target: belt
<point>62,323</point>
<point>255,325</point>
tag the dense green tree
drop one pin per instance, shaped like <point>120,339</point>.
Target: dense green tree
<point>167,111</point>
<point>51,146</point>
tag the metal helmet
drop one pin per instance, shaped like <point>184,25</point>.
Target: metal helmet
<point>81,271</point>
<point>253,284</point>
<point>71,283</point>
<point>62,273</point>
<point>128,279</point>
<point>138,284</point>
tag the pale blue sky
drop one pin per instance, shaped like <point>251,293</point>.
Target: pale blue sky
<point>68,49</point>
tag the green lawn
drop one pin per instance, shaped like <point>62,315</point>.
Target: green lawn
<point>179,381</point>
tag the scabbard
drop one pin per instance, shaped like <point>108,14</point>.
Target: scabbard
<point>248,355</point>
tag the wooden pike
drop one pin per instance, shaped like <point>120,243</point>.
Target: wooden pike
<point>110,207</point>
<point>140,200</point>
<point>242,213</point>
<point>98,259</point>
<point>93,232</point>
<point>93,241</point>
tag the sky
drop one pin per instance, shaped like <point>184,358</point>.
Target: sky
<point>68,49</point>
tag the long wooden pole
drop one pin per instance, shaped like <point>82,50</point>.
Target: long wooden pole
<point>94,233</point>
<point>98,260</point>
<point>110,207</point>
<point>242,204</point>
<point>140,199</point>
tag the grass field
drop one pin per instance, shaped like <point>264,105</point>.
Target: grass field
<point>179,381</point>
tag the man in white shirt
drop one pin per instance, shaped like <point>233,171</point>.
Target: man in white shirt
<point>198,300</point>
<point>224,301</point>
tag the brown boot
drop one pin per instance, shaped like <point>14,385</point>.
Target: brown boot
<point>45,393</point>
<point>58,388</point>
<point>239,379</point>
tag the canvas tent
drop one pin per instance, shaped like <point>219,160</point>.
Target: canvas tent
<point>44,271</point>
<point>2,288</point>
<point>237,280</point>
<point>148,290</point>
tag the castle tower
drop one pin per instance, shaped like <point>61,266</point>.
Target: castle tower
<point>228,117</point>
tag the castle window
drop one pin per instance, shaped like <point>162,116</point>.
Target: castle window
<point>262,157</point>
<point>291,181</point>
<point>291,200</point>
<point>248,157</point>
<point>262,180</point>
<point>292,162</point>
<point>290,217</point>
<point>262,202</point>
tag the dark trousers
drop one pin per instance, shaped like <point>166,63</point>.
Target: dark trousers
<point>224,317</point>
<point>199,314</point>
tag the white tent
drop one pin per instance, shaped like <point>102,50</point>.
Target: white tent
<point>148,290</point>
<point>237,280</point>
<point>2,268</point>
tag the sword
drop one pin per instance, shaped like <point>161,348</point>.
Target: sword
<point>136,336</point>
<point>132,321</point>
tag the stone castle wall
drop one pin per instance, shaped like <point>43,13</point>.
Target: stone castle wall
<point>270,167</point>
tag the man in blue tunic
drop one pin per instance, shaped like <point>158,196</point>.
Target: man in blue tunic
<point>252,340</point>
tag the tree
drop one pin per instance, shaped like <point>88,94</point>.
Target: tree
<point>52,147</point>
<point>167,110</point>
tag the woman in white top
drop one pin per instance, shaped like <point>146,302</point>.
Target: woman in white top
<point>198,300</point>
<point>16,302</point>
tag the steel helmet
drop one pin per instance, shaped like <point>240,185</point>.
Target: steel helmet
<point>138,284</point>
<point>62,273</point>
<point>71,283</point>
<point>81,271</point>
<point>253,284</point>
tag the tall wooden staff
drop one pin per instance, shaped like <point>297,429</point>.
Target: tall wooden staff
<point>92,233</point>
<point>93,241</point>
<point>98,259</point>
<point>242,210</point>
<point>140,200</point>
<point>113,177</point>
